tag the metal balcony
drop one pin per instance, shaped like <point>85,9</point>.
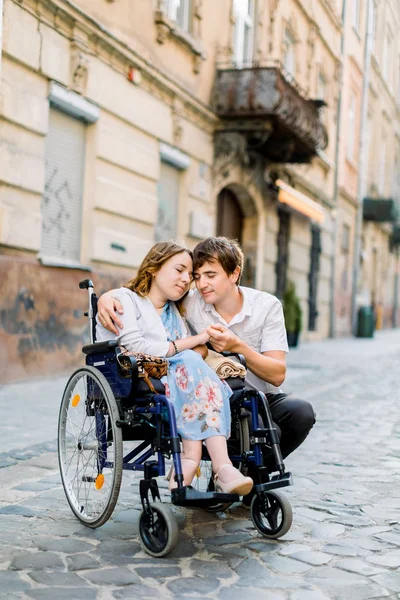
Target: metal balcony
<point>380,210</point>
<point>271,111</point>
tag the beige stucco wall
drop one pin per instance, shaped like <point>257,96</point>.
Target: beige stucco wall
<point>170,102</point>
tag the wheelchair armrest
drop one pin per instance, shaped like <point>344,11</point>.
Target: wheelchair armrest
<point>98,347</point>
<point>241,358</point>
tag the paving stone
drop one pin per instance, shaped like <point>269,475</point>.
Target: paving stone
<point>223,540</point>
<point>130,592</point>
<point>17,509</point>
<point>312,557</point>
<point>80,562</point>
<point>308,594</point>
<point>344,550</point>
<point>389,536</point>
<point>66,545</point>
<point>283,564</point>
<point>358,592</point>
<point>11,583</point>
<point>200,585</point>
<point>389,580</point>
<point>35,486</point>
<point>250,568</point>
<point>117,576</point>
<point>293,548</point>
<point>131,516</point>
<point>329,578</point>
<point>213,568</point>
<point>37,561</point>
<point>327,530</point>
<point>63,593</point>
<point>161,572</point>
<point>116,552</point>
<point>56,579</point>
<point>184,549</point>
<point>356,565</point>
<point>237,593</point>
<point>390,559</point>
<point>263,546</point>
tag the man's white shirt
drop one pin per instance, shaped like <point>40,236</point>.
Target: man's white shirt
<point>260,324</point>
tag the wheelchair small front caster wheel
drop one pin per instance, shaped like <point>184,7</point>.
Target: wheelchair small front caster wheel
<point>158,530</point>
<point>271,514</point>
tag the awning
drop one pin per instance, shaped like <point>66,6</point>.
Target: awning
<point>300,202</point>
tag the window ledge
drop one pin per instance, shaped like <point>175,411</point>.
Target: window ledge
<point>65,263</point>
<point>167,28</point>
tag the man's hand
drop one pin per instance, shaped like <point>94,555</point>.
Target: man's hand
<point>222,339</point>
<point>108,309</point>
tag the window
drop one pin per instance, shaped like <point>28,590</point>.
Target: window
<point>351,133</point>
<point>289,55</point>
<point>243,31</point>
<point>180,11</point>
<point>356,5</point>
<point>168,200</point>
<point>345,238</point>
<point>62,199</point>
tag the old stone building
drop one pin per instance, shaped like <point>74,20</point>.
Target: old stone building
<point>126,122</point>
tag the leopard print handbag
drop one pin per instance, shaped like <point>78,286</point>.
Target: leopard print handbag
<point>149,366</point>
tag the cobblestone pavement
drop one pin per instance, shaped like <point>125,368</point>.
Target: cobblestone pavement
<point>344,542</point>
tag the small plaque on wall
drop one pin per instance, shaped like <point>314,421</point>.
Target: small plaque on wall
<point>201,225</point>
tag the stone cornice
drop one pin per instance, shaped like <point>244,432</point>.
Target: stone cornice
<point>83,30</point>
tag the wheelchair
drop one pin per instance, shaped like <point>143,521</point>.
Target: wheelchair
<point>105,404</point>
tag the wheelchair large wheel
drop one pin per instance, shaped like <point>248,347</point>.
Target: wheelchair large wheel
<point>90,449</point>
<point>158,530</point>
<point>238,444</point>
<point>271,513</point>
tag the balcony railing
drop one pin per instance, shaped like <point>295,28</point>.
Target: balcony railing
<point>266,105</point>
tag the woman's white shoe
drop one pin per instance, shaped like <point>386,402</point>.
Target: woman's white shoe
<point>237,485</point>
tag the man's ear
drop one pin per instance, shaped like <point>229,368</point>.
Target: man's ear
<point>235,275</point>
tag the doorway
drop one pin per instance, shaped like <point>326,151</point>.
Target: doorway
<point>237,219</point>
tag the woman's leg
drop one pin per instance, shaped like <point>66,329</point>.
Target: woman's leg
<point>190,459</point>
<point>228,478</point>
<point>218,451</point>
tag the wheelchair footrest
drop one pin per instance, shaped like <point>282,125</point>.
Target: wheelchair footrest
<point>277,481</point>
<point>188,496</point>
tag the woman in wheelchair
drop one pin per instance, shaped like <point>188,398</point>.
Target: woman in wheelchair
<point>153,322</point>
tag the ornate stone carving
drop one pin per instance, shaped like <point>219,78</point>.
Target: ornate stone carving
<point>79,70</point>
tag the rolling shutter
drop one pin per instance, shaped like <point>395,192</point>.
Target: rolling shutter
<point>62,199</point>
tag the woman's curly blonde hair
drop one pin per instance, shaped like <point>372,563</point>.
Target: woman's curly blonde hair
<point>152,262</point>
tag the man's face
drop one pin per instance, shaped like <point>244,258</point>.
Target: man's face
<point>213,283</point>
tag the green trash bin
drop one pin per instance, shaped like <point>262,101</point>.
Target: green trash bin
<point>366,322</point>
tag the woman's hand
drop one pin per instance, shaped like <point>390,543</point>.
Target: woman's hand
<point>203,337</point>
<point>108,309</point>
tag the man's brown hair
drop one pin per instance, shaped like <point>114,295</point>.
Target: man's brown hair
<point>224,250</point>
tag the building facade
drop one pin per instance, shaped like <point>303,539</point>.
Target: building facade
<point>123,123</point>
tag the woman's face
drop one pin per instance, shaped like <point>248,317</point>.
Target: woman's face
<point>174,277</point>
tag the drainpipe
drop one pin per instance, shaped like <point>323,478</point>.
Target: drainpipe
<point>332,312</point>
<point>363,165</point>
